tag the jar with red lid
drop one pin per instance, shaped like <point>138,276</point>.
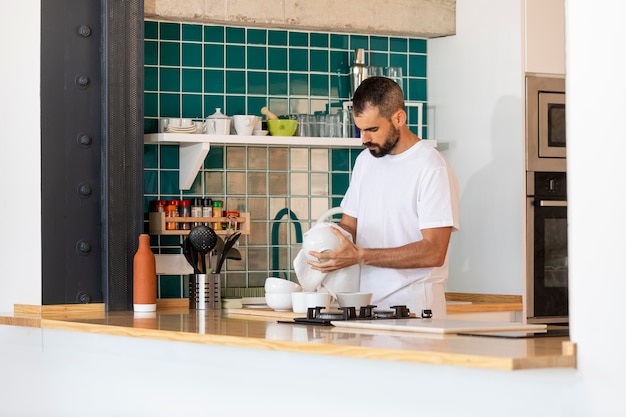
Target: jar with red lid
<point>232,216</point>
<point>159,205</point>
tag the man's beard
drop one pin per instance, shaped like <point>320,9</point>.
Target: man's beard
<point>390,142</point>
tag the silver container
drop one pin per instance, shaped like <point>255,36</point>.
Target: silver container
<point>204,292</point>
<point>358,70</point>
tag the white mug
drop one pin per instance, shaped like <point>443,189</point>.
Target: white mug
<point>244,125</point>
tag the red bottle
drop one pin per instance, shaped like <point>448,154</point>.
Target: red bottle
<point>144,276</point>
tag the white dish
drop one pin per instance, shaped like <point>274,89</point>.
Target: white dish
<point>260,132</point>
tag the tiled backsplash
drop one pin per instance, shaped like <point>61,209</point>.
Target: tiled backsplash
<point>192,69</point>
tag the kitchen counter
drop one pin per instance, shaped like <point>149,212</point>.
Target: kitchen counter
<point>262,331</point>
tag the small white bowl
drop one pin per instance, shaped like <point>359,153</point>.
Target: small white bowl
<point>320,238</point>
<point>281,286</point>
<point>354,299</point>
<point>278,302</point>
<point>260,132</point>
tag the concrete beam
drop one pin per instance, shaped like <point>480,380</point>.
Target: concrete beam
<point>419,18</point>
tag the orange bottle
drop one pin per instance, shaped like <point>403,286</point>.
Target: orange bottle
<point>144,276</point>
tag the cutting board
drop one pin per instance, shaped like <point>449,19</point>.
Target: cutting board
<point>439,326</point>
<point>264,312</point>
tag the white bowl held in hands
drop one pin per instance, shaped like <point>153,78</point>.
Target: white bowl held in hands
<point>281,286</point>
<point>354,299</point>
<point>278,301</point>
<point>320,238</point>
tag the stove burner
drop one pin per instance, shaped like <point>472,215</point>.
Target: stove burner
<point>319,315</point>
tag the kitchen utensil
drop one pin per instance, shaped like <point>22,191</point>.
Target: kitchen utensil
<point>280,285</point>
<point>228,244</point>
<point>320,238</point>
<point>188,251</point>
<point>282,127</point>
<point>218,123</point>
<point>234,254</point>
<point>278,301</point>
<point>203,239</point>
<point>267,113</point>
<point>244,124</point>
<point>353,299</point>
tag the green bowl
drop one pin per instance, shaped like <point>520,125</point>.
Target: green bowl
<point>282,127</point>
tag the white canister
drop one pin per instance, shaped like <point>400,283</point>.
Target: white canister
<point>218,123</point>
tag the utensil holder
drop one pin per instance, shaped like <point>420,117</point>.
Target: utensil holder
<point>204,292</point>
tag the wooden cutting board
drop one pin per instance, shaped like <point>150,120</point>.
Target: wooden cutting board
<point>264,312</point>
<point>438,326</point>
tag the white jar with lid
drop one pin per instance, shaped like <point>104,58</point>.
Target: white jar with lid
<point>218,123</point>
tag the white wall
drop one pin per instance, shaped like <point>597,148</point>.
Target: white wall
<point>596,152</point>
<point>476,88</point>
<point>20,184</point>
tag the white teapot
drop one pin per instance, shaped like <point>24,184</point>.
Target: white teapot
<point>218,123</point>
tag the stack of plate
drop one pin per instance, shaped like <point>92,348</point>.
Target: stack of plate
<point>180,129</point>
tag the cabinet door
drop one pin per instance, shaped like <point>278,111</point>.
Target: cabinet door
<point>545,36</point>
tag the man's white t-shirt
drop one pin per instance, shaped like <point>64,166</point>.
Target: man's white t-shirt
<point>393,198</point>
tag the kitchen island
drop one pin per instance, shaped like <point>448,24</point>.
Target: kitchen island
<point>78,360</point>
<point>268,331</point>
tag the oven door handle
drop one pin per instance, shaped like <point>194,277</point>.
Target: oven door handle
<point>551,203</point>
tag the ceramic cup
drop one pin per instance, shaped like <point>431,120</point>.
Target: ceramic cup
<point>186,122</point>
<point>317,299</point>
<point>218,126</point>
<point>298,302</point>
<point>244,125</point>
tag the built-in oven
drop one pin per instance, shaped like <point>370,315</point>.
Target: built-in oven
<point>546,298</point>
<point>546,294</point>
<point>545,116</point>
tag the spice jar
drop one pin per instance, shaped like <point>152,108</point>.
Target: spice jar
<point>159,205</point>
<point>196,209</point>
<point>232,224</point>
<point>185,211</point>
<point>171,211</point>
<point>207,208</point>
<point>217,212</point>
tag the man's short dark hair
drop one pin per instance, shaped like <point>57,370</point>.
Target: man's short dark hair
<point>381,92</point>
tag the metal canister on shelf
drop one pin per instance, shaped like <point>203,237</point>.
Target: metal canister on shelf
<point>185,211</point>
<point>171,211</point>
<point>217,212</point>
<point>207,208</point>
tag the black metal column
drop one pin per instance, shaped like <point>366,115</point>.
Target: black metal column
<point>92,142</point>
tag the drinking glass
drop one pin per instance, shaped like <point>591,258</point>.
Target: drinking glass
<point>395,73</point>
<point>375,71</point>
<point>304,125</point>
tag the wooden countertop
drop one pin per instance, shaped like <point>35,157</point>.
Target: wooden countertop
<point>262,331</point>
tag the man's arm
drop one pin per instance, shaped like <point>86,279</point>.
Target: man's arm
<point>428,252</point>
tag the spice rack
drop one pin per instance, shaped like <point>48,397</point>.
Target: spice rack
<point>158,220</point>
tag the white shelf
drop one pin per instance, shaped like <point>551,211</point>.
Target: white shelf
<point>195,147</point>
<point>250,140</point>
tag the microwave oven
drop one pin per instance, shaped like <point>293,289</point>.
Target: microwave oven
<point>545,124</point>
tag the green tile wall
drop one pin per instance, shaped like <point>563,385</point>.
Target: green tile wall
<point>190,69</point>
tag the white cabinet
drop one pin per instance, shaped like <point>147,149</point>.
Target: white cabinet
<point>544,36</point>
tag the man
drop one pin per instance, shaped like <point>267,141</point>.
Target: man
<point>401,208</point>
